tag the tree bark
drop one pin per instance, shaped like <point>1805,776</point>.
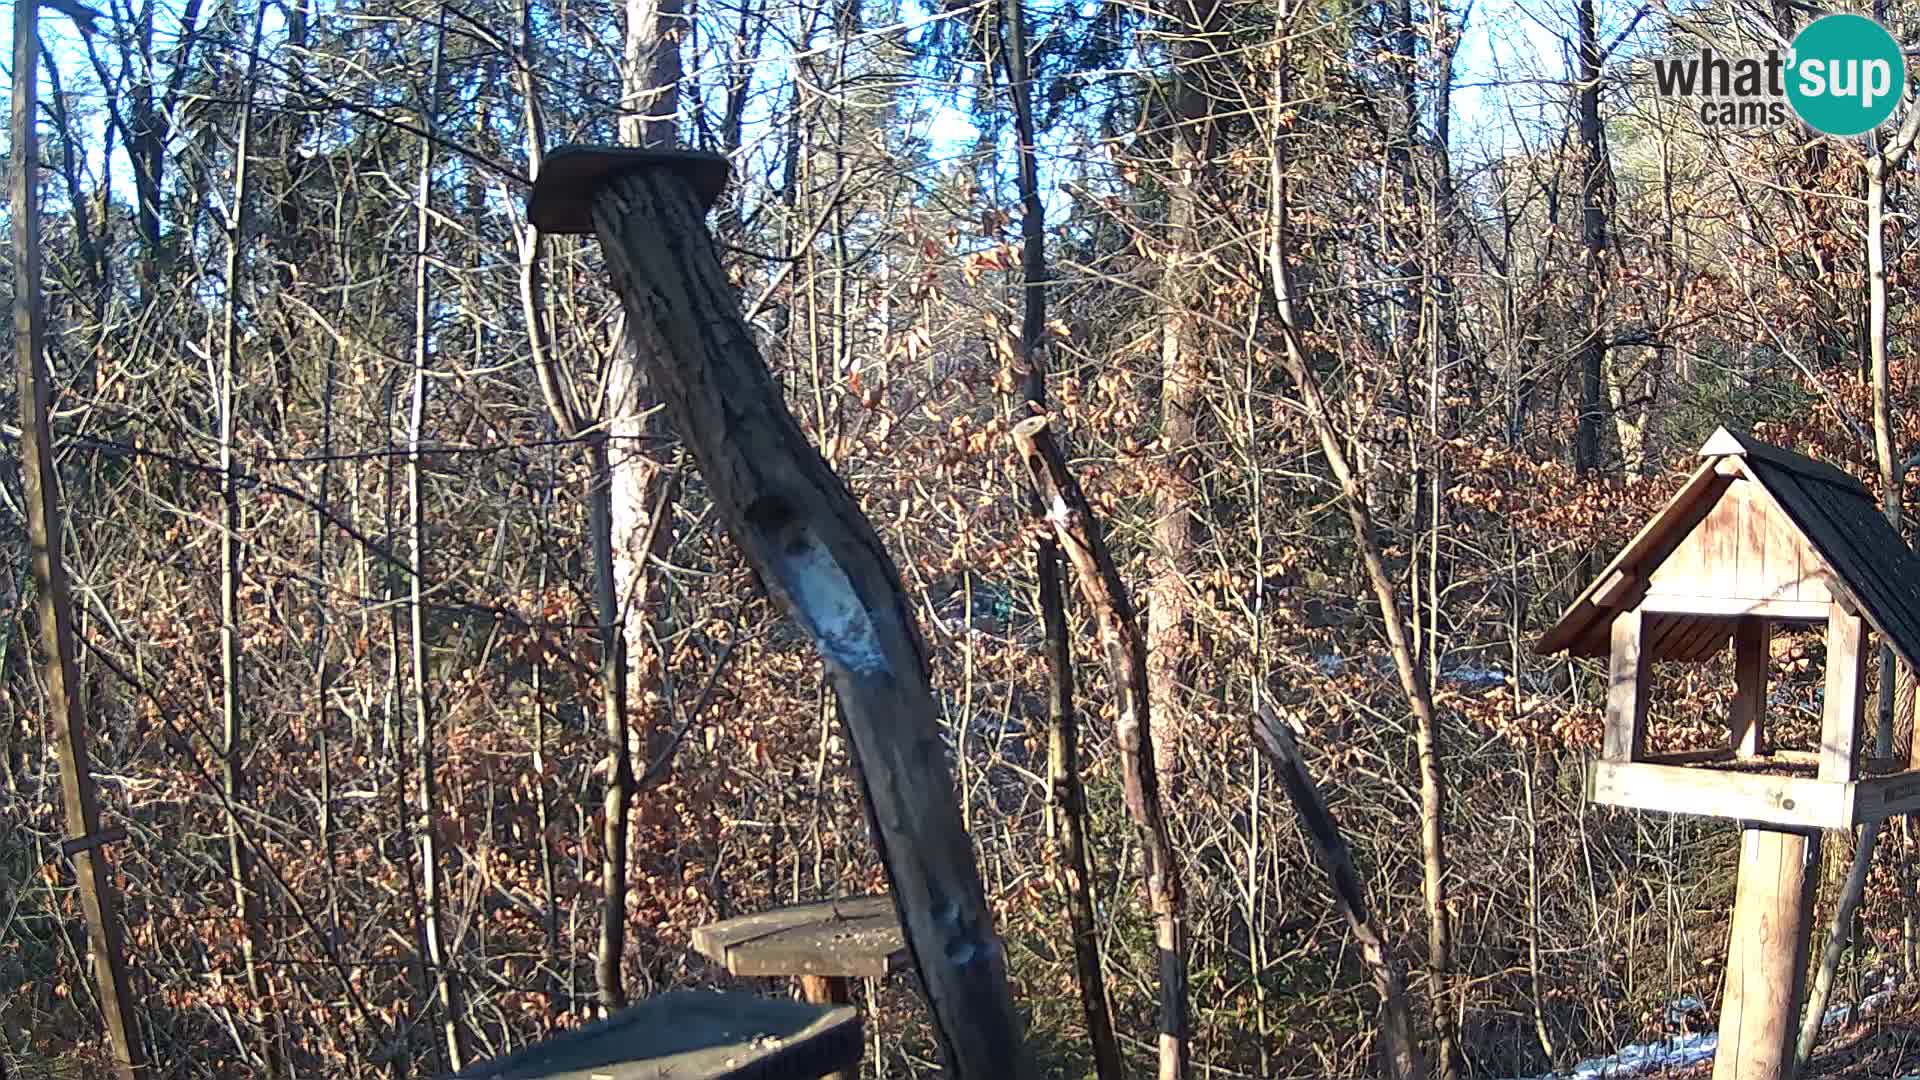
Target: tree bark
<point>1593,243</point>
<point>1190,23</point>
<point>1079,535</point>
<point>233,749</point>
<point>629,499</point>
<point>1066,795</point>
<point>803,532</point>
<point>92,868</point>
<point>447,987</point>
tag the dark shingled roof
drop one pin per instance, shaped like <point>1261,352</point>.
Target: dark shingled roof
<point>1870,565</point>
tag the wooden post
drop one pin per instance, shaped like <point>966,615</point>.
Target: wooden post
<point>1846,682</point>
<point>1748,719</point>
<point>1080,537</point>
<point>1629,686</point>
<point>828,990</point>
<point>98,899</point>
<point>1767,955</point>
<point>818,555</point>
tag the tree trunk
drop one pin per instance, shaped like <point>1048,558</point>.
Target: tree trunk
<point>99,900</point>
<point>803,532</point>
<point>1407,666</point>
<point>233,749</point>
<point>426,828</point>
<point>1190,22</point>
<point>626,501</point>
<point>1587,447</point>
<point>1398,1051</point>
<point>1067,798</point>
<point>1079,534</point>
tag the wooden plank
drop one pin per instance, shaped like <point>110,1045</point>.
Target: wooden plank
<point>1786,552</point>
<point>1885,796</point>
<point>570,176</point>
<point>1731,606</point>
<point>1690,757</point>
<point>1720,542</point>
<point>115,835</point>
<point>693,1035</point>
<point>856,937</point>
<point>1684,570</point>
<point>1845,692</point>
<point>1658,634</point>
<point>1863,765</point>
<point>1763,575</point>
<point>1614,589</point>
<point>1767,955</point>
<point>1709,639</point>
<point>1629,684</point>
<point>1747,721</point>
<point>1794,801</point>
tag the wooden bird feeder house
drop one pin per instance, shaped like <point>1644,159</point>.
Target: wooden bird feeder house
<point>1758,537</point>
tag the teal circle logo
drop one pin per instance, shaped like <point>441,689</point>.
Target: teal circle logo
<point>1846,74</point>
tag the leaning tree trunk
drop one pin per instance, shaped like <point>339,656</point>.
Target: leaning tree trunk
<point>820,558</point>
<point>93,871</point>
<point>1398,1051</point>
<point>1407,663</point>
<point>1079,534</point>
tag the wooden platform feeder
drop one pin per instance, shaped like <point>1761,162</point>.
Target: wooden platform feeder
<point>1758,536</point>
<point>823,944</point>
<point>693,1035</point>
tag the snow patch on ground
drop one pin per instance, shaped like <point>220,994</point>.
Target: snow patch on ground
<point>1680,1051</point>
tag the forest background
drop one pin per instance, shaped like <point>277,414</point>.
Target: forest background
<point>312,368</point>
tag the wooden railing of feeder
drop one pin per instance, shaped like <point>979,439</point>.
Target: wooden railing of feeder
<point>818,554</point>
<point>1758,536</point>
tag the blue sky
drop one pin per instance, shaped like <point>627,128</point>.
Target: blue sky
<point>1510,69</point>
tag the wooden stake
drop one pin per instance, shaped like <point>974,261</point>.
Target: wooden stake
<point>1767,955</point>
<point>828,990</point>
<point>1846,680</point>
<point>90,865</point>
